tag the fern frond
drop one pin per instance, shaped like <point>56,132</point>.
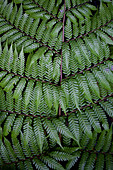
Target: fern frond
<point>62,128</point>
<point>52,163</point>
<point>39,165</point>
<point>74,128</point>
<point>17,126</point>
<point>39,133</point>
<point>85,124</point>
<point>8,124</point>
<point>10,150</point>
<point>51,131</point>
<point>4,153</point>
<point>108,108</point>
<point>17,148</point>
<point>56,84</point>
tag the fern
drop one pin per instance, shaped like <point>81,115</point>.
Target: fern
<point>56,84</point>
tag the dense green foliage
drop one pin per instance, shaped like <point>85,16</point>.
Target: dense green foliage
<point>56,84</point>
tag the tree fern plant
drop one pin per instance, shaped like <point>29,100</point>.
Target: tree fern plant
<point>56,84</point>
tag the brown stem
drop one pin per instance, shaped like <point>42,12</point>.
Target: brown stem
<point>33,38</point>
<point>59,110</point>
<point>61,52</point>
<point>68,113</point>
<point>27,158</point>
<point>87,69</point>
<point>38,156</point>
<point>62,41</point>
<point>61,69</point>
<point>90,104</point>
<point>29,78</point>
<point>47,11</point>
<point>62,59</point>
<point>79,5</point>
<point>83,35</point>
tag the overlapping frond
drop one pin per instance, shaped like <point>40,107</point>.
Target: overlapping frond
<point>95,152</point>
<point>15,75</point>
<point>28,31</point>
<point>56,84</point>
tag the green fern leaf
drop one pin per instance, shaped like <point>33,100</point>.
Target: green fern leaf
<point>17,148</point>
<point>56,81</point>
<point>62,128</point>
<point>108,140</point>
<point>18,16</point>
<point>39,164</point>
<point>38,54</point>
<point>74,92</point>
<point>17,126</point>
<point>19,88</point>
<point>101,141</point>
<point>28,92</point>
<point>11,83</point>
<point>74,128</point>
<point>85,125</point>
<point>5,154</point>
<point>39,133</point>
<point>48,95</point>
<point>51,131</point>
<point>8,124</point>
<point>100,161</point>
<point>10,149</point>
<point>4,82</point>
<point>52,163</point>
